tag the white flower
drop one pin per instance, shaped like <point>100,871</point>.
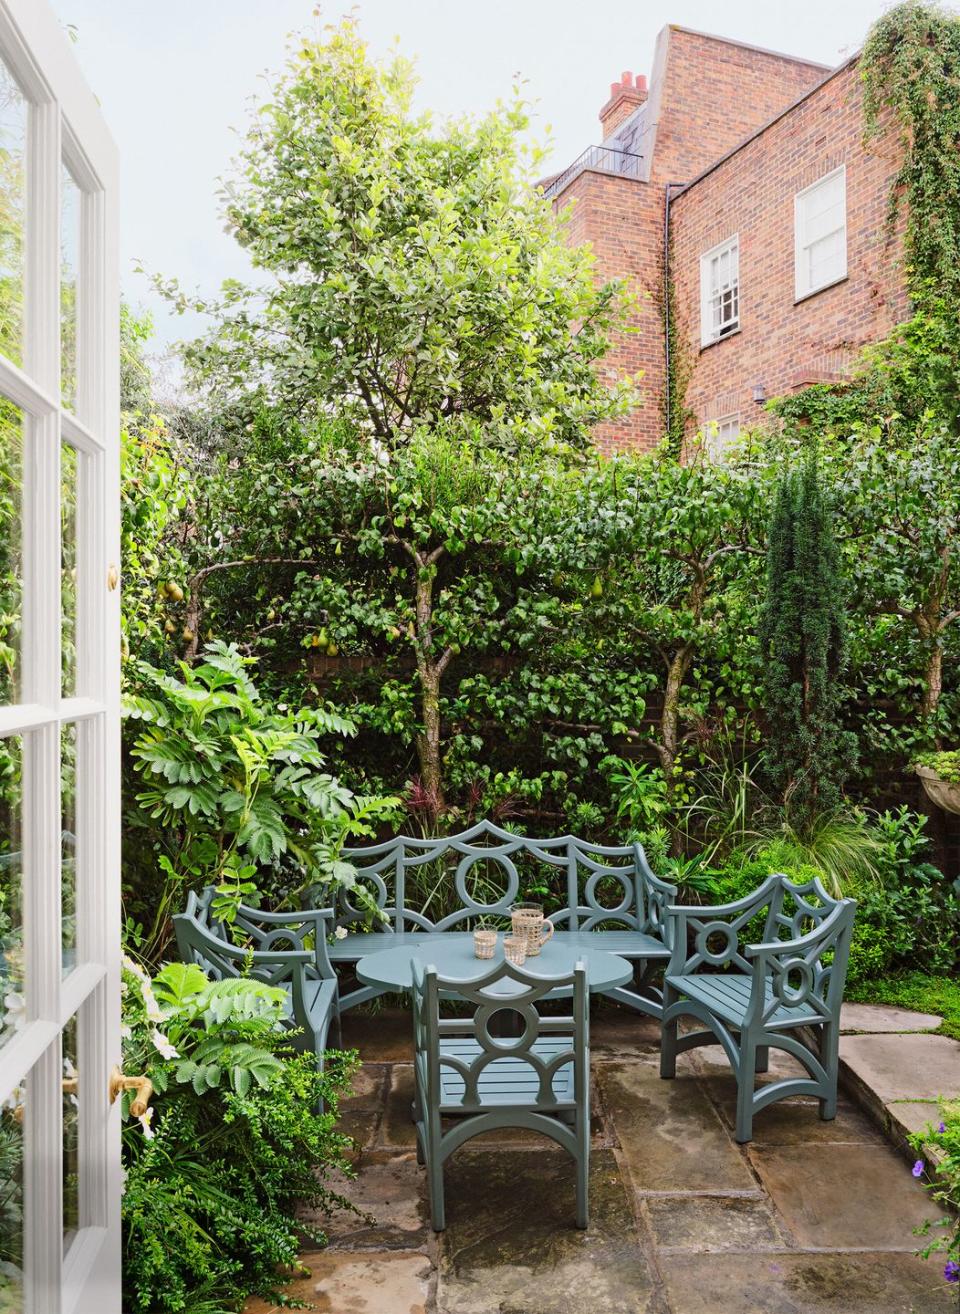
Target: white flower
<point>340,933</point>
<point>162,1044</point>
<point>154,1013</point>
<point>145,1120</point>
<point>14,1015</point>
<point>134,968</point>
<point>125,1031</point>
<point>380,453</point>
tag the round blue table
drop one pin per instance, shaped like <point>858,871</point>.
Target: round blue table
<point>453,957</point>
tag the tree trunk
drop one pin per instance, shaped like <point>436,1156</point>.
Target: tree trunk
<point>669,744</point>
<point>933,680</point>
<point>429,672</point>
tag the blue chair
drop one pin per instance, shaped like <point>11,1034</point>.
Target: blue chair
<point>754,997</point>
<point>288,950</point>
<point>539,1080</point>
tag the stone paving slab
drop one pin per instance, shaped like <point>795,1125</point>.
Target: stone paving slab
<point>390,1193</point>
<point>704,1223</point>
<point>671,1136</point>
<point>510,1243</point>
<point>795,1121</point>
<point>903,1067</point>
<point>879,1018</point>
<point>358,1282</point>
<point>881,1283</point>
<point>843,1196</point>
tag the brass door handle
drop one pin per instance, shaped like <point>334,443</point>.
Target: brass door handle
<point>142,1085</point>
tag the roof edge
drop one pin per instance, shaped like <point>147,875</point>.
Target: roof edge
<point>758,132</point>
<point>747,45</point>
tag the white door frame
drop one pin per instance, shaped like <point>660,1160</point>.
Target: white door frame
<point>66,130</point>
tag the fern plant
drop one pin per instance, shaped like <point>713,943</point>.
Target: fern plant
<point>230,1147</point>
<point>235,792</point>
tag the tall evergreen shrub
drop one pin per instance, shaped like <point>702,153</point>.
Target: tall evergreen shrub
<point>803,637</point>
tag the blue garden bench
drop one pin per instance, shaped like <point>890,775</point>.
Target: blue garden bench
<point>770,994</point>
<point>610,899</point>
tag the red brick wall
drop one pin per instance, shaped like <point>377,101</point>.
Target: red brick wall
<point>710,94</point>
<point>714,94</point>
<point>782,344</point>
<point>623,220</point>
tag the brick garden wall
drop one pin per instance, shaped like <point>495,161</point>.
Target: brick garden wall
<point>782,345</point>
<point>708,94</point>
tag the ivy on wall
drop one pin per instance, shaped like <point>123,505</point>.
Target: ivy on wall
<point>911,70</point>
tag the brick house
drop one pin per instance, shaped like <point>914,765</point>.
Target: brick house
<point>748,169</point>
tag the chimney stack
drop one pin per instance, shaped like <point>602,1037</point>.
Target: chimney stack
<point>625,96</point>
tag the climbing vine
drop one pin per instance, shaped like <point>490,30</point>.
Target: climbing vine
<point>911,70</point>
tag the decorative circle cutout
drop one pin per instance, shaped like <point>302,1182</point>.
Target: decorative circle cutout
<point>717,957</point>
<point>504,1044</point>
<point>503,901</point>
<point>593,896</point>
<point>793,996</point>
<point>377,887</point>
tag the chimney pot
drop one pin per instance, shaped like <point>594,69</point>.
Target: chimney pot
<point>641,83</point>
<point>626,79</point>
<point>614,89</point>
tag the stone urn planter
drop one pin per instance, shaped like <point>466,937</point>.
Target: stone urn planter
<point>945,793</point>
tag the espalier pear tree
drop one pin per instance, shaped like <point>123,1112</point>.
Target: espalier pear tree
<point>425,338</point>
<point>413,273</point>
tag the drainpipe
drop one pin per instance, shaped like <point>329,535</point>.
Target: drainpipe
<point>666,297</point>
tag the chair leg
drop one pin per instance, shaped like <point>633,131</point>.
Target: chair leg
<point>583,1179</point>
<point>763,1058</point>
<point>829,1057</point>
<point>438,1215</point>
<point>748,1067</point>
<point>668,1037</point>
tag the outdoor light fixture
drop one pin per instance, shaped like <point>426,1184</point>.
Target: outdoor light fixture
<point>759,393</point>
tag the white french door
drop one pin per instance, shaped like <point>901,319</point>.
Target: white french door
<point>59,680</point>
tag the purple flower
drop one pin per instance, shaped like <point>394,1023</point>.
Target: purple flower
<point>941,1129</point>
<point>918,1168</point>
<point>951,1270</point>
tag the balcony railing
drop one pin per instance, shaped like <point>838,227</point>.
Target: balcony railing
<point>623,163</point>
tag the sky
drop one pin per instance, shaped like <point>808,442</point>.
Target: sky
<point>176,79</point>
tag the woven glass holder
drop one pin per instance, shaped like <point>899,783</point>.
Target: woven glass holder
<point>484,943</point>
<point>515,949</point>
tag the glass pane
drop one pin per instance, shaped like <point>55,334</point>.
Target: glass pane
<point>12,1002</point>
<point>69,463</point>
<point>11,485</point>
<point>71,1135</point>
<point>68,846</point>
<point>11,1203</point>
<point>69,266</point>
<point>13,142</point>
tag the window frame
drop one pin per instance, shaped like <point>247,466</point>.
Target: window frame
<point>709,336</point>
<point>800,246</point>
<point>715,445</point>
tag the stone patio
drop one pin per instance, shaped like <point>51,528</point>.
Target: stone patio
<point>811,1218</point>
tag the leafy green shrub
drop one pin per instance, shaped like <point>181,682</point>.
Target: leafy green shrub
<point>230,1147</point>
<point>910,916</point>
<point>944,1187</point>
<point>234,791</point>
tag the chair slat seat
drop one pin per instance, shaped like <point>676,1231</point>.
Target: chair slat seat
<point>506,1082</point>
<point>728,995</point>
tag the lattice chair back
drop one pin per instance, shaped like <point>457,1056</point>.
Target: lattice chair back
<point>598,886</point>
<point>568,1034</point>
<point>807,968</point>
<point>287,950</point>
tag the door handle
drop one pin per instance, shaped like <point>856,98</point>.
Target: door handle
<point>142,1085</point>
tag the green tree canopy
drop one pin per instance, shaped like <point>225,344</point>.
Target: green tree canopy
<point>416,275</point>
